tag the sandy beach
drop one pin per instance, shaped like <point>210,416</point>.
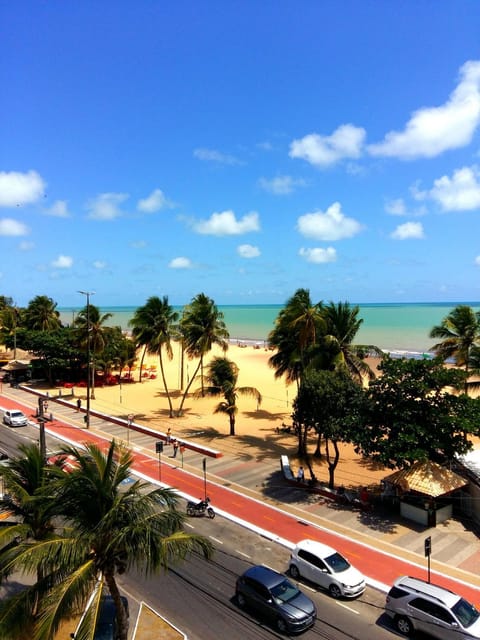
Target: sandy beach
<point>256,426</point>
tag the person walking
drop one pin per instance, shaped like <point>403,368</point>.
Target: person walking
<point>300,475</point>
<point>175,448</point>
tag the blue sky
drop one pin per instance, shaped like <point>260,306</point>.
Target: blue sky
<point>240,149</point>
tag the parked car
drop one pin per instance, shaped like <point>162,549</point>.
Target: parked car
<point>326,567</point>
<point>275,599</point>
<point>414,604</point>
<point>15,418</point>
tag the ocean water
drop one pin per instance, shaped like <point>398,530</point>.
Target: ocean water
<point>402,329</point>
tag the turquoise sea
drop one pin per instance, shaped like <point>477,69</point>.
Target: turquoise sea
<point>398,328</point>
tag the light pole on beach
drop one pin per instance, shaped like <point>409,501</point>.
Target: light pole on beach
<point>87,414</point>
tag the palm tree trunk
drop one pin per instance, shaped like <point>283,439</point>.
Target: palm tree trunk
<point>332,462</point>
<point>122,619</point>
<point>318,453</point>
<point>162,370</point>
<point>185,393</point>
<point>141,363</point>
<point>232,423</point>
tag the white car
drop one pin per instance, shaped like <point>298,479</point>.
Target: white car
<point>327,568</point>
<point>15,418</point>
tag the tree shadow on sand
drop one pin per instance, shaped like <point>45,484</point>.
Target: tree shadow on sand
<point>244,447</point>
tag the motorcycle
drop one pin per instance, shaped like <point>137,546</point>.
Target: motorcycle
<point>200,508</point>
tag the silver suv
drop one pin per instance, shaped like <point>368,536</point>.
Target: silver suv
<point>414,604</point>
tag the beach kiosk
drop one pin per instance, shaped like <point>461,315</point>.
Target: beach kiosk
<point>425,491</point>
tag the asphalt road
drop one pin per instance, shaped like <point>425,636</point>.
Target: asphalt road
<point>198,596</point>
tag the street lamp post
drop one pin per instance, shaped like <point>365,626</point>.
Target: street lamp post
<point>87,414</point>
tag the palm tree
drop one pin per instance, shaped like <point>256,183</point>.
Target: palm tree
<point>297,329</point>
<point>343,324</point>
<point>459,333</point>
<point>155,327</point>
<point>222,377</point>
<point>10,320</point>
<point>42,315</point>
<point>201,326</point>
<point>24,479</point>
<point>90,323</point>
<point>110,528</point>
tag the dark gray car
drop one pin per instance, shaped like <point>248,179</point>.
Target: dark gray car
<point>275,599</point>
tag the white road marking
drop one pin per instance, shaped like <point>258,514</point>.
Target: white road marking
<point>216,540</point>
<point>240,553</point>
<point>340,604</point>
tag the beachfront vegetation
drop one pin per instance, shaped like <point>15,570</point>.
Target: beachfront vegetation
<point>202,326</point>
<point>102,529</point>
<point>311,336</point>
<point>460,339</point>
<point>154,326</point>
<point>42,315</point>
<point>92,334</point>
<point>295,335</point>
<point>221,378</point>
<point>307,337</point>
<point>329,404</point>
<point>413,412</point>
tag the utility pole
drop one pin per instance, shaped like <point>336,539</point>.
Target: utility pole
<point>41,419</point>
<point>87,414</point>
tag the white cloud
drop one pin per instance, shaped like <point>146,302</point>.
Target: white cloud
<point>106,206</point>
<point>281,185</point>
<point>477,261</point>
<point>99,264</point>
<point>417,192</point>
<point>212,155</point>
<point>59,209</point>
<point>248,251</point>
<point>62,262</point>
<point>407,231</point>
<point>20,188</point>
<point>154,202</point>
<point>461,192</point>
<point>323,151</point>
<point>433,130</point>
<point>396,207</point>
<point>10,227</point>
<point>318,255</point>
<point>226,224</point>
<point>180,263</point>
<point>328,226</point>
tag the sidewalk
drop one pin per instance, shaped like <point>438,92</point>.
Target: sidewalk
<point>251,490</point>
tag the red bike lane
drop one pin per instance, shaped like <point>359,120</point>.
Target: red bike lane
<point>381,567</point>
